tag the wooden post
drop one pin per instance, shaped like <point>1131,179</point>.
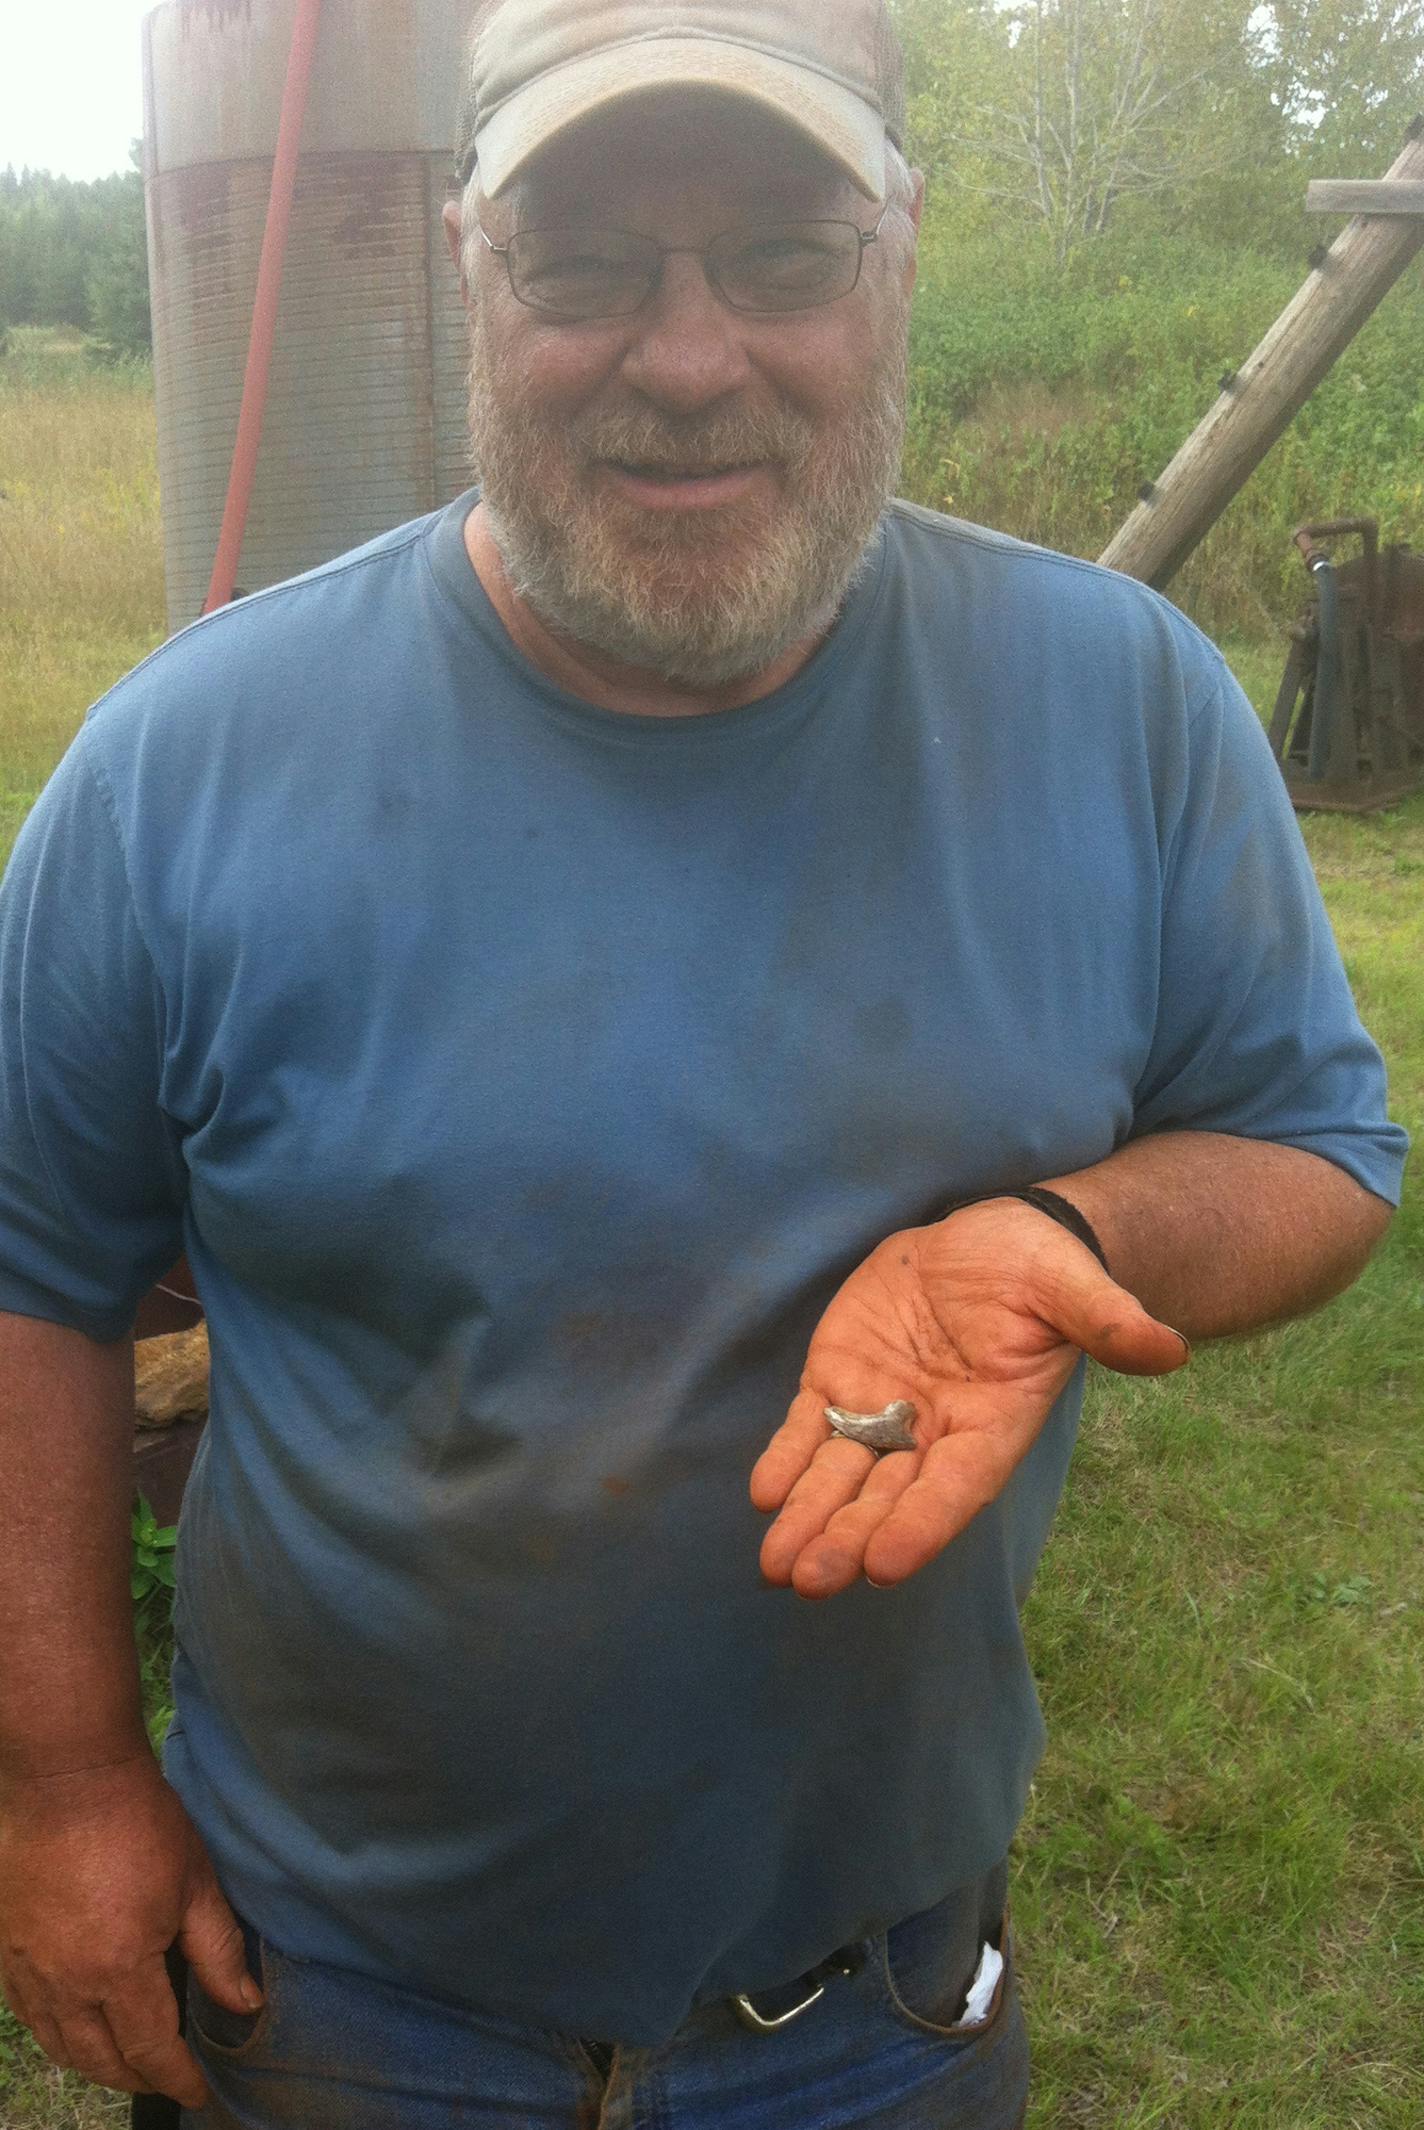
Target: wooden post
<point>1270,388</point>
<point>1365,196</point>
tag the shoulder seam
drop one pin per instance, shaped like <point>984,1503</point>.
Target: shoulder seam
<point>339,567</point>
<point>1016,550</point>
<point>106,799</point>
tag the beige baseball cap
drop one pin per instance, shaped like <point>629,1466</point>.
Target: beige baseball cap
<point>832,69</point>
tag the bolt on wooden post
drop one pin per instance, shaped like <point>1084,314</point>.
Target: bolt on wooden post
<point>1261,398</point>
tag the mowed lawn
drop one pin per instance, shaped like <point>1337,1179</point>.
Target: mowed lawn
<point>1219,1900</point>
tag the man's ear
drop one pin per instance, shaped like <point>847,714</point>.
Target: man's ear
<point>451,218</point>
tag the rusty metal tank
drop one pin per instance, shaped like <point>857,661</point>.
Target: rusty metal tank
<point>365,423</point>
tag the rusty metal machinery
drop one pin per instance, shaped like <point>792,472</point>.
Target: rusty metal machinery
<point>1348,729</point>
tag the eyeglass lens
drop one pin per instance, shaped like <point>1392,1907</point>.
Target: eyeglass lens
<point>597,273</point>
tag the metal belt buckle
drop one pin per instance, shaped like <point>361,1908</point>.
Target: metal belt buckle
<point>759,2023</point>
<point>841,1963</point>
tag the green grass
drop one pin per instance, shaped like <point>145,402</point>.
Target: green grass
<point>1220,1885</point>
<point>1221,1879</point>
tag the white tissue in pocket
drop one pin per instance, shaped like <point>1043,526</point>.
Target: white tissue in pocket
<point>981,1989</point>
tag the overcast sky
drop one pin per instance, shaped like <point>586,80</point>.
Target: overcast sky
<point>71,90</point>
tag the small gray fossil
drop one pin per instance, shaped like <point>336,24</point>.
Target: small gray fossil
<point>891,1430</point>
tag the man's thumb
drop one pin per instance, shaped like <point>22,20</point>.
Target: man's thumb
<point>1112,1327</point>
<point>210,1937</point>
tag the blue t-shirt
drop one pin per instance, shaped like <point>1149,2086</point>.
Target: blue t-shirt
<point>521,1079</point>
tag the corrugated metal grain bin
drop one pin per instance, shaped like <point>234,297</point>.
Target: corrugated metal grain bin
<point>366,415</point>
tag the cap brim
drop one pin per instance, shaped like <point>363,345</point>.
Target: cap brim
<point>834,119</point>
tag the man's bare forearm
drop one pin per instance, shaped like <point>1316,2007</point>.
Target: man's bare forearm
<point>1217,1235</point>
<point>69,1689</point>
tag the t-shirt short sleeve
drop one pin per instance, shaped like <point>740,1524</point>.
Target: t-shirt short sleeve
<point>91,1173</point>
<point>1257,1033</point>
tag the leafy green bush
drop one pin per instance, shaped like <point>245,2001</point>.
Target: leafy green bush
<point>1040,403</point>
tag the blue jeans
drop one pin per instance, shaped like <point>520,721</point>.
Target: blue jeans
<point>333,2050</point>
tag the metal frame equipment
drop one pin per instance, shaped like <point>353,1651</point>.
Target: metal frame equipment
<point>1348,729</point>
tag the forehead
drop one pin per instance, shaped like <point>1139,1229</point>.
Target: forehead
<point>679,159</point>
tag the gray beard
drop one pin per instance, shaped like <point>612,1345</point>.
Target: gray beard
<point>701,600</point>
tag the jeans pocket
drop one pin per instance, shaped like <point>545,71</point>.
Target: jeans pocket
<point>929,1997</point>
<point>233,2034</point>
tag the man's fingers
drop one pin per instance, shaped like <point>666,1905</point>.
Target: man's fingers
<point>790,1450</point>
<point>831,1562</point>
<point>210,1937</point>
<point>961,1472</point>
<point>34,2015</point>
<point>1132,1342</point>
<point>90,2049</point>
<point>1111,1326</point>
<point>835,1476</point>
<point>144,2024</point>
<point>47,2034</point>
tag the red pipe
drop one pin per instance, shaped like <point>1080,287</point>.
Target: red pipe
<point>163,1309</point>
<point>264,308</point>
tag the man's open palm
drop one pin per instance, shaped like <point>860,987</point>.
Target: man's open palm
<point>979,1322</point>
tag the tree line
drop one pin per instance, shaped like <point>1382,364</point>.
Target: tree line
<point>74,253</point>
<point>1047,122</point>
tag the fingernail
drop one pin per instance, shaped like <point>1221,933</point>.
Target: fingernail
<point>1186,1342</point>
<point>251,1994</point>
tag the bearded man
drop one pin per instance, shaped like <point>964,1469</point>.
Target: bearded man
<point>671,974</point>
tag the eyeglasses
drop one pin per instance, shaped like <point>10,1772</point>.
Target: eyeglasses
<point>576,274</point>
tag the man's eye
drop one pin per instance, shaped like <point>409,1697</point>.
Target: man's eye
<point>578,263</point>
<point>583,272</point>
<point>785,261</point>
<point>568,281</point>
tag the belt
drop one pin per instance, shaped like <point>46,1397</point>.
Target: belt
<point>155,2111</point>
<point>772,2015</point>
<point>943,1945</point>
<point>959,1926</point>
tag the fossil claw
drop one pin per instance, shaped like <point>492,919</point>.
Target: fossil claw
<point>890,1430</point>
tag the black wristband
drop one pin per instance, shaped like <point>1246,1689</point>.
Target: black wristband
<point>1049,1202</point>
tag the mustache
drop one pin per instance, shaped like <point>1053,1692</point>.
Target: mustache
<point>700,444</point>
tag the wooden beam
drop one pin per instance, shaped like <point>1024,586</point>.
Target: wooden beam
<point>1271,386</point>
<point>1364,196</point>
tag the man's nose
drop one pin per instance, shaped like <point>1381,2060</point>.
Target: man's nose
<point>688,348</point>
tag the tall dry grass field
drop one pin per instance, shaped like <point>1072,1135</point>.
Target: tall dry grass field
<point>81,574</point>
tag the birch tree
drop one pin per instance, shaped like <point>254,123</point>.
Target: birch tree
<point>1096,101</point>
